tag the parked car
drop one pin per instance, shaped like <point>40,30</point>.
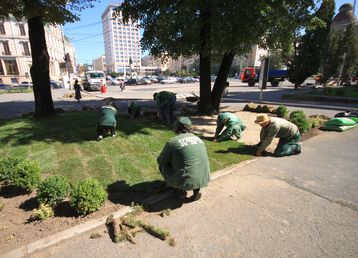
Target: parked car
<point>131,82</point>
<point>143,81</point>
<point>55,85</point>
<point>5,86</point>
<point>25,84</point>
<point>169,80</point>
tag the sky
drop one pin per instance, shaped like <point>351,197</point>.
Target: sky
<point>86,34</point>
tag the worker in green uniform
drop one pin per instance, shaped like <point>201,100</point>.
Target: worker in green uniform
<point>107,121</point>
<point>234,127</point>
<point>184,162</point>
<point>165,101</point>
<point>278,127</point>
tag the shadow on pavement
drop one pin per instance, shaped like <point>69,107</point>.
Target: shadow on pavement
<point>122,193</point>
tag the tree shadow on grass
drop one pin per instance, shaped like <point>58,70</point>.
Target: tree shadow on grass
<point>122,193</point>
<point>69,127</point>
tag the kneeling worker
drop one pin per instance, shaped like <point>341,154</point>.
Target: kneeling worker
<point>184,162</point>
<point>107,121</point>
<point>166,101</point>
<point>234,127</point>
<point>278,127</point>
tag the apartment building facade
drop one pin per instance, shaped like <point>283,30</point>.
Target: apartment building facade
<point>15,52</point>
<point>99,64</point>
<point>121,42</point>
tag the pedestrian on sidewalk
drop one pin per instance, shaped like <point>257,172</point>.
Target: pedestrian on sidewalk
<point>272,127</point>
<point>107,121</point>
<point>184,162</point>
<point>166,101</point>
<point>234,127</point>
<point>78,90</point>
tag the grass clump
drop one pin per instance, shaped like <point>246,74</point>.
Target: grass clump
<point>155,231</point>
<point>282,111</point>
<point>42,213</point>
<point>53,190</point>
<point>300,120</point>
<point>2,205</point>
<point>88,196</point>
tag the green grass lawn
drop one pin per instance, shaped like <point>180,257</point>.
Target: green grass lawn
<point>351,92</point>
<point>66,145</point>
<point>16,91</point>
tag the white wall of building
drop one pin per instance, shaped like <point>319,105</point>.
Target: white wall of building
<point>15,40</point>
<point>121,42</point>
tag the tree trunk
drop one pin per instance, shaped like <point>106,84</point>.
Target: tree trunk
<point>40,69</point>
<point>220,82</point>
<point>205,61</point>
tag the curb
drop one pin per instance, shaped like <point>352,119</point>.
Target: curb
<point>91,224</point>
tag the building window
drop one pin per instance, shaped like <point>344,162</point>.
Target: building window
<point>14,80</point>
<point>11,67</point>
<point>2,27</point>
<point>5,45</point>
<point>1,69</point>
<point>22,29</point>
<point>26,48</point>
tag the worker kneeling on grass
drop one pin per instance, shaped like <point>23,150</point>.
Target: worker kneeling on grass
<point>278,127</point>
<point>184,162</point>
<point>107,121</point>
<point>166,104</point>
<point>234,127</point>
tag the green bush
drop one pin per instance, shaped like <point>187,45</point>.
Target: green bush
<point>25,175</point>
<point>7,168</point>
<point>282,111</point>
<point>300,120</point>
<point>88,196</point>
<point>53,190</point>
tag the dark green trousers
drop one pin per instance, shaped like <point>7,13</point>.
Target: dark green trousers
<point>288,146</point>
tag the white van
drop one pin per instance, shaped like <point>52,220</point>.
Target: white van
<point>94,80</point>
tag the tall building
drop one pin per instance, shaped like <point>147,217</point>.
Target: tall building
<point>15,52</point>
<point>344,18</point>
<point>121,42</point>
<point>99,64</point>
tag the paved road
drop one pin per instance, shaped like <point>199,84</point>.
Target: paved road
<point>13,105</point>
<point>299,206</point>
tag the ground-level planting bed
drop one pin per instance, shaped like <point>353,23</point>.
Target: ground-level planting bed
<point>66,145</point>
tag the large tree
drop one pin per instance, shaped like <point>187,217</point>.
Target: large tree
<point>310,44</point>
<point>349,45</point>
<point>204,28</point>
<point>38,13</point>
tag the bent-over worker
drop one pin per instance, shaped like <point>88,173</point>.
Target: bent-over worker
<point>107,121</point>
<point>234,127</point>
<point>184,162</point>
<point>166,104</point>
<point>278,127</point>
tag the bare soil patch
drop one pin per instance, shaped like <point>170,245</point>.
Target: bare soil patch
<point>16,230</point>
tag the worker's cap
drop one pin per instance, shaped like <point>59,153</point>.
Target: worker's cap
<point>185,121</point>
<point>261,119</point>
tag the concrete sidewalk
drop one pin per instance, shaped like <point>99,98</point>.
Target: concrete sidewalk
<point>299,206</point>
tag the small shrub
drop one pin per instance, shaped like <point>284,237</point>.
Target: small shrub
<point>26,175</point>
<point>88,196</point>
<point>53,190</point>
<point>282,111</point>
<point>300,120</point>
<point>42,213</point>
<point>7,168</point>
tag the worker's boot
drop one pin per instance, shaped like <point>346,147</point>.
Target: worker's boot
<point>196,195</point>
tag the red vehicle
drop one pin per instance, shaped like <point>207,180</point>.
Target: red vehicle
<point>251,76</point>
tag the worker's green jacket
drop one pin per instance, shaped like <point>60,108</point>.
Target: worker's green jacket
<point>165,98</point>
<point>184,162</point>
<point>234,126</point>
<point>278,127</point>
<point>107,116</point>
